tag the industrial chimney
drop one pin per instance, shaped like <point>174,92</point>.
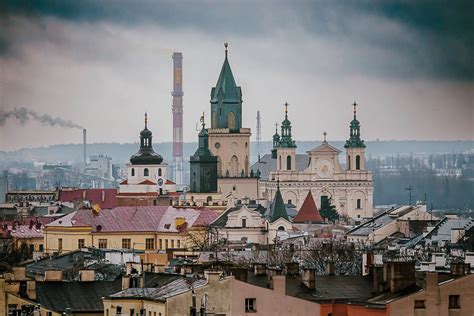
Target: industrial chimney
<point>84,137</point>
<point>177,110</point>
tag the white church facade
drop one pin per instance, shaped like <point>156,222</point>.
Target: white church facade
<point>349,189</point>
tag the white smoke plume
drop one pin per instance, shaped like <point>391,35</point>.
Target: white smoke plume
<point>23,115</point>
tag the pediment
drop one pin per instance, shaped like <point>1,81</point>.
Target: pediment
<point>324,148</point>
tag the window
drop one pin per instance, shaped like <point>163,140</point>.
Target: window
<point>32,248</point>
<point>166,243</point>
<point>454,302</point>
<point>80,243</point>
<point>179,243</point>
<point>250,305</point>
<point>357,162</point>
<point>133,172</point>
<point>51,314</point>
<point>159,172</point>
<point>290,201</point>
<point>150,243</point>
<point>161,243</point>
<point>288,162</point>
<point>132,312</point>
<point>126,243</point>
<point>279,162</point>
<point>107,312</point>
<point>358,203</point>
<point>102,243</point>
<point>60,244</point>
<point>244,222</point>
<point>348,162</point>
<point>41,247</point>
<point>119,310</point>
<point>146,172</point>
<point>419,304</point>
<point>281,228</point>
<point>172,243</point>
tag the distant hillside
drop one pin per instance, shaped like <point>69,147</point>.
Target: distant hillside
<point>122,152</point>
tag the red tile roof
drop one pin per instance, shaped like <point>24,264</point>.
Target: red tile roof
<point>124,182</point>
<point>136,219</point>
<point>308,212</point>
<point>106,198</point>
<point>169,182</point>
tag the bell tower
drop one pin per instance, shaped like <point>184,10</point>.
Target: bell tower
<point>355,147</point>
<point>286,151</point>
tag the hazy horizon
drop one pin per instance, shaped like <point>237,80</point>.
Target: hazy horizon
<point>100,66</point>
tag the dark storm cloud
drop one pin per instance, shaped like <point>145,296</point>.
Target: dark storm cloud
<point>401,39</point>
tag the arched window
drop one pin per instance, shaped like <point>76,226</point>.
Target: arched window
<point>231,120</point>
<point>348,162</point>
<point>133,172</point>
<point>146,172</point>
<point>288,162</point>
<point>281,228</point>
<point>357,162</point>
<point>279,162</point>
<point>234,165</point>
<point>159,172</point>
<point>358,203</point>
<point>244,222</point>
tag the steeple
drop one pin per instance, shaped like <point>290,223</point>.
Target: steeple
<point>276,142</point>
<point>226,99</point>
<point>203,144</point>
<point>278,208</point>
<point>354,140</point>
<point>203,165</point>
<point>146,155</point>
<point>286,140</point>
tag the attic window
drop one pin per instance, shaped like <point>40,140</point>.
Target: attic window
<point>167,226</point>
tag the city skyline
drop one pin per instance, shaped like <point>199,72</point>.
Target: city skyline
<point>411,74</point>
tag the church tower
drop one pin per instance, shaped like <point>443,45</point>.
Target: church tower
<point>227,139</point>
<point>226,100</point>
<point>355,147</point>
<point>286,151</point>
<point>276,142</point>
<point>203,165</point>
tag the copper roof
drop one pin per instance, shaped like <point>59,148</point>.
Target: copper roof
<point>308,212</point>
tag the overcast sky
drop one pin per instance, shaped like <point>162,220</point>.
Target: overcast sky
<point>101,64</point>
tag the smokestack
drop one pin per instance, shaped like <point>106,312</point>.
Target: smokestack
<point>84,137</point>
<point>177,110</point>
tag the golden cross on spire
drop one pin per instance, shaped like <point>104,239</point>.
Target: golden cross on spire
<point>325,134</point>
<point>286,107</point>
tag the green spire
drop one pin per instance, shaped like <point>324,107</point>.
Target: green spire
<point>203,146</point>
<point>276,142</point>
<point>226,100</point>
<point>286,141</point>
<point>354,140</point>
<point>278,207</point>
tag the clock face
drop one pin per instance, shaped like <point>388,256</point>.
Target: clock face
<point>324,169</point>
<point>160,182</point>
<point>217,145</point>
